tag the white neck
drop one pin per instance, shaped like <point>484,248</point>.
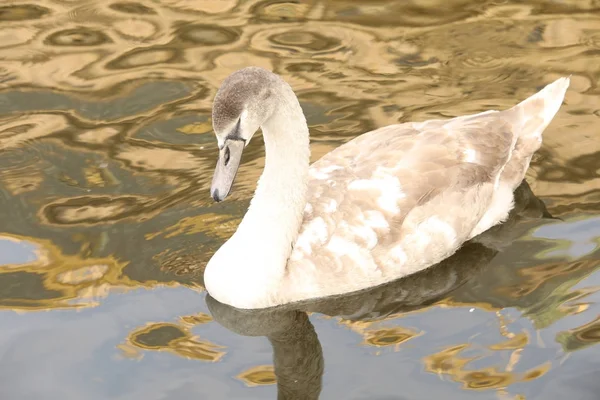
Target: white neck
<point>252,263</point>
<point>280,195</point>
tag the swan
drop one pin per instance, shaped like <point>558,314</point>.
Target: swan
<point>389,203</point>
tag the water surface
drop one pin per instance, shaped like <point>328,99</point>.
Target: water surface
<point>106,154</point>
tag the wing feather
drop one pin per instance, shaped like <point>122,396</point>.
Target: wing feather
<point>399,197</point>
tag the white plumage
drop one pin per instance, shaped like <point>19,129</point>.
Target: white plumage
<point>387,204</point>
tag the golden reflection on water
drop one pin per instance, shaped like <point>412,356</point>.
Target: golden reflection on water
<point>220,226</point>
<point>174,338</point>
<point>450,363</point>
<point>107,150</point>
<point>580,337</point>
<point>258,376</point>
<point>375,335</point>
<point>55,280</point>
<point>389,336</point>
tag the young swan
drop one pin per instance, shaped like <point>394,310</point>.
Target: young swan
<point>387,204</point>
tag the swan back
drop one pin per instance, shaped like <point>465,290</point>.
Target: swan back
<point>401,198</point>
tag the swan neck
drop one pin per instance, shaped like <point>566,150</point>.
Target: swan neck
<point>247,271</point>
<point>275,213</point>
<point>281,190</point>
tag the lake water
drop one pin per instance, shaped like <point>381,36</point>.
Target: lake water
<point>106,223</point>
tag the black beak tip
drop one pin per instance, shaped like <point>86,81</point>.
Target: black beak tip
<point>215,195</point>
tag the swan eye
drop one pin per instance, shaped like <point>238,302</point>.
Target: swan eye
<point>227,155</point>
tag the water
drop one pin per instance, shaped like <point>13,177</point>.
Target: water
<point>106,154</point>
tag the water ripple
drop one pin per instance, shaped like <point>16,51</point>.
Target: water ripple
<point>107,151</point>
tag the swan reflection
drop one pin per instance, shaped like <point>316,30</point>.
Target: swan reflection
<point>297,353</point>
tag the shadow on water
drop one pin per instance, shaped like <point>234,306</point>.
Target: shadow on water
<point>106,154</point>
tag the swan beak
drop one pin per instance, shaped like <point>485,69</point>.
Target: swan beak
<point>230,156</point>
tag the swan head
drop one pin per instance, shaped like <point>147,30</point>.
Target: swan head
<point>243,103</point>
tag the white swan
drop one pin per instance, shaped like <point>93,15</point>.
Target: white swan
<point>387,204</point>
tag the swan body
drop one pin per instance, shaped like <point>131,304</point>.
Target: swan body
<point>387,204</point>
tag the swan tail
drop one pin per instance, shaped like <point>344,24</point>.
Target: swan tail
<point>535,113</point>
<point>529,120</point>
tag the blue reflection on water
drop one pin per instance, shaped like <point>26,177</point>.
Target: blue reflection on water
<point>17,252</point>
